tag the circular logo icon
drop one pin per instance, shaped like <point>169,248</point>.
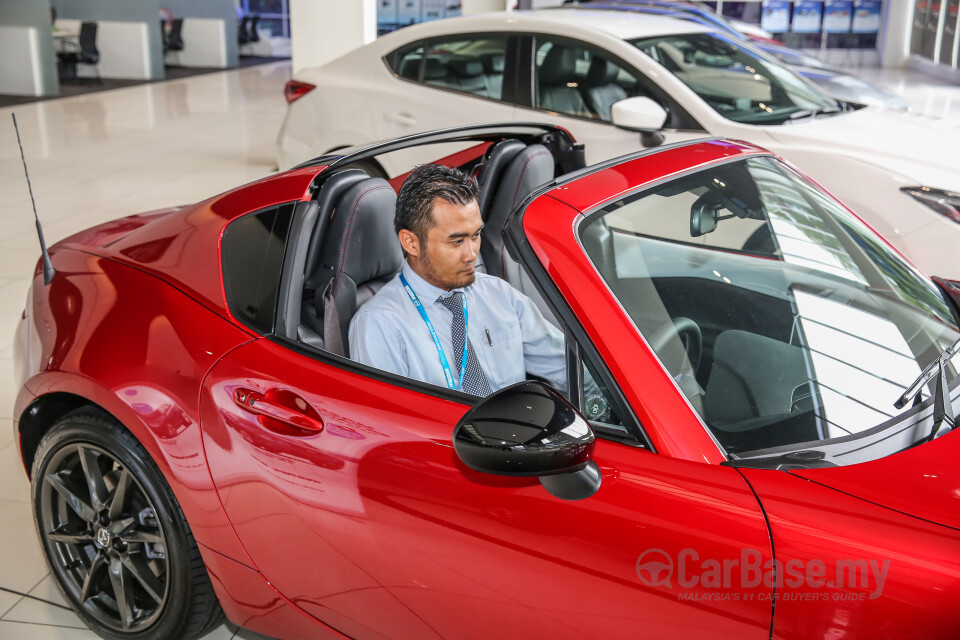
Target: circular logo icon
<point>655,568</point>
<point>103,538</point>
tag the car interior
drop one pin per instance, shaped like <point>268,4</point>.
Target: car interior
<point>352,250</point>
<point>741,289</point>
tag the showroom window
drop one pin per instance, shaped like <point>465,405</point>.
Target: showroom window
<point>252,255</point>
<point>471,65</point>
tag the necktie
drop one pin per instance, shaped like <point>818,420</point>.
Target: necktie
<point>474,380</point>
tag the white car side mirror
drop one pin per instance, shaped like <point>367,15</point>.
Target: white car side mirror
<point>638,114</point>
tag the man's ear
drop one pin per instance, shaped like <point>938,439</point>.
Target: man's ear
<point>409,242</point>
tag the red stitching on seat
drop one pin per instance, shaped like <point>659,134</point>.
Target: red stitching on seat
<point>346,237</point>
<point>526,165</point>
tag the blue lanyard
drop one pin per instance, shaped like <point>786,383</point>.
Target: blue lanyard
<point>447,373</point>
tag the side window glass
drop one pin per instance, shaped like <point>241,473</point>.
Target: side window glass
<point>599,406</point>
<point>577,81</point>
<point>471,65</point>
<point>252,259</point>
<point>406,62</point>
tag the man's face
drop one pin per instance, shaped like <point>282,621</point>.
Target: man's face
<point>448,257</point>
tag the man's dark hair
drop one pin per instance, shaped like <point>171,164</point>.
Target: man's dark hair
<point>425,184</point>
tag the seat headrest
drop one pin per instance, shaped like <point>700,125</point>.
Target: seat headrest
<point>601,72</point>
<point>498,159</point>
<point>327,200</point>
<point>360,242</point>
<point>466,68</point>
<point>410,68</point>
<point>493,63</point>
<point>560,65</point>
<point>433,69</point>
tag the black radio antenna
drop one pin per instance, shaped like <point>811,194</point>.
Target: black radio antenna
<point>48,269</point>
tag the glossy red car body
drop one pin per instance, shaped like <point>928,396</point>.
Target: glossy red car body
<point>373,528</point>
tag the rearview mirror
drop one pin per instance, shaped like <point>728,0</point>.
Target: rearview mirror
<point>528,429</point>
<point>638,114</point>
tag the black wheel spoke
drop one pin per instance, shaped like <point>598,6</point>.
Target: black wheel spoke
<point>143,536</point>
<point>80,507</point>
<point>119,498</point>
<point>89,581</point>
<point>144,575</point>
<point>70,537</point>
<point>89,459</point>
<point>118,527</point>
<point>122,592</point>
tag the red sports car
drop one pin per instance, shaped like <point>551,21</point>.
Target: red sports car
<point>755,440</point>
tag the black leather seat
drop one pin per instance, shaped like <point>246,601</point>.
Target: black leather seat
<point>600,87</point>
<point>468,75</point>
<point>359,254</point>
<point>493,74</point>
<point>492,171</point>
<point>554,77</point>
<point>527,169</point>
<point>512,171</point>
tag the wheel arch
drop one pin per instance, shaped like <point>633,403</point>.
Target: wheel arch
<point>41,414</point>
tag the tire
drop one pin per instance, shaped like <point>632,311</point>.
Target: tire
<point>98,547</point>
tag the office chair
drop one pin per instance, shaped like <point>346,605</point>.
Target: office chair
<point>86,53</point>
<point>174,40</point>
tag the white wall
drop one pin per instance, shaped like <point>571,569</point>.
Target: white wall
<point>323,30</point>
<point>20,72</point>
<point>472,7</point>
<point>204,44</point>
<point>124,49</point>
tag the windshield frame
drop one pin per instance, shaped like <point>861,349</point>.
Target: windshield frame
<point>871,443</point>
<point>774,71</point>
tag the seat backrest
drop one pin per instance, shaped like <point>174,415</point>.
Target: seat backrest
<point>601,89</point>
<point>554,77</point>
<point>528,169</point>
<point>88,42</point>
<point>327,200</point>
<point>493,74</point>
<point>254,31</point>
<point>243,37</point>
<point>469,75</point>
<point>492,172</point>
<point>436,72</point>
<point>175,42</point>
<point>360,253</point>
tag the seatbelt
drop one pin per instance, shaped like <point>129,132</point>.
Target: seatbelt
<point>332,336</point>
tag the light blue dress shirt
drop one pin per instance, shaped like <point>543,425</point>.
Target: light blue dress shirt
<point>388,333</point>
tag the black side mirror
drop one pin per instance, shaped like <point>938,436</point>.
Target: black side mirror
<point>528,429</point>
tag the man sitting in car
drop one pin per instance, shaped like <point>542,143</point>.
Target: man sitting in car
<point>441,321</point>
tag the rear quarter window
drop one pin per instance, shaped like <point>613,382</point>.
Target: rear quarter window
<point>252,251</point>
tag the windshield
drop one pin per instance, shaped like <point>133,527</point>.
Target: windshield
<point>781,316</point>
<point>738,84</point>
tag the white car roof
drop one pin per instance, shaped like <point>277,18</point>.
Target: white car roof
<point>573,21</point>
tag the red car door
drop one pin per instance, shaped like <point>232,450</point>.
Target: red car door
<point>374,526</point>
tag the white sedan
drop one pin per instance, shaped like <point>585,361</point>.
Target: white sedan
<point>620,81</point>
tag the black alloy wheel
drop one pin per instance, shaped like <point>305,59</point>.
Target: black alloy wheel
<point>114,537</point>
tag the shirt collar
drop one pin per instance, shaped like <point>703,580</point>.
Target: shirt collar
<point>427,293</point>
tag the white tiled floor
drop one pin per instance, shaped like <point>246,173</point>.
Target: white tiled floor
<point>96,157</point>
<point>93,158</point>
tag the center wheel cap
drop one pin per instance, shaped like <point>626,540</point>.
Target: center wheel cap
<point>103,538</point>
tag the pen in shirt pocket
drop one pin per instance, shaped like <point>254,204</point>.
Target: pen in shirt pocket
<point>489,339</point>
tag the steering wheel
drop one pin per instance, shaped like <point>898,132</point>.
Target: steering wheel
<point>688,332</point>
